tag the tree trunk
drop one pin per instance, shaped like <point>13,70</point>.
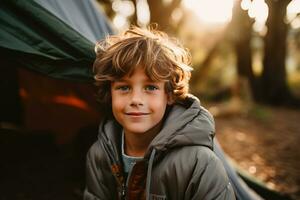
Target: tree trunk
<point>241,35</point>
<point>161,14</point>
<point>274,77</point>
<point>107,6</point>
<point>134,18</point>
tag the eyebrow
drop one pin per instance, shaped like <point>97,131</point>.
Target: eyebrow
<point>128,80</point>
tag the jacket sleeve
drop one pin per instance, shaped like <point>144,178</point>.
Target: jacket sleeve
<point>210,181</point>
<point>95,170</point>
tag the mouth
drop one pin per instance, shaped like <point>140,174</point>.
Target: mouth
<point>136,114</point>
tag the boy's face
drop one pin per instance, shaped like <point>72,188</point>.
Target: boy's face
<point>138,103</point>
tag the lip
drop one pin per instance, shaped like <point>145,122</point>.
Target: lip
<point>136,114</point>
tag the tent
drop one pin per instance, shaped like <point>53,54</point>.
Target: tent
<point>42,37</point>
<point>46,57</point>
<point>48,114</point>
<point>56,40</point>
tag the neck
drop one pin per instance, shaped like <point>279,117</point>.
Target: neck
<point>136,144</point>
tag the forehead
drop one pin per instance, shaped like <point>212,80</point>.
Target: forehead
<point>138,73</point>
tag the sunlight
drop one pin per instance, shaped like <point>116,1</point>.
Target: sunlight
<point>294,7</point>
<point>123,10</point>
<point>245,4</point>
<point>143,13</point>
<point>293,10</point>
<point>120,22</point>
<point>259,11</point>
<point>211,11</point>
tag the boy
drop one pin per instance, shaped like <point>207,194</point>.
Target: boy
<point>156,140</point>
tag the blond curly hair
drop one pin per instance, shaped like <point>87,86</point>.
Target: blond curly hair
<point>163,59</point>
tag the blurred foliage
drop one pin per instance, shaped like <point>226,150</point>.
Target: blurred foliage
<point>215,50</point>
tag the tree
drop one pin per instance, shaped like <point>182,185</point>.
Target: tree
<point>107,7</point>
<point>242,25</point>
<point>274,77</point>
<point>271,86</point>
<point>161,13</point>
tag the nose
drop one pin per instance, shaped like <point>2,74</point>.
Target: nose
<point>136,98</point>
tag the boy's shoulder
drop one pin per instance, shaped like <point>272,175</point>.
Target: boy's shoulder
<point>192,154</point>
<point>190,161</point>
<point>189,158</point>
<point>96,152</point>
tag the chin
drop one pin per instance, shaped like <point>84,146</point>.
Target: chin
<point>139,131</point>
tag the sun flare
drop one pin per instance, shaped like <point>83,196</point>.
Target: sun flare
<point>211,11</point>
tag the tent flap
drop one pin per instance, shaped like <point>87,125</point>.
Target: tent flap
<point>37,39</point>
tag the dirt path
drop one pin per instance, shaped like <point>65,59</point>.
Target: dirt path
<point>266,144</point>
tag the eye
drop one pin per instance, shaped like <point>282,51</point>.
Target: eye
<point>151,88</point>
<point>123,88</point>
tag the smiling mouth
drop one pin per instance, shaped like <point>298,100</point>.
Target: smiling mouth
<point>137,114</point>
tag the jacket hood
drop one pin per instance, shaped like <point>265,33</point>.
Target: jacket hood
<point>188,124</point>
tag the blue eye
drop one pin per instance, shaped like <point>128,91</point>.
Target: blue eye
<point>151,88</point>
<point>123,88</point>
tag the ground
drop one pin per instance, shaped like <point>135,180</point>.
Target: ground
<point>264,142</point>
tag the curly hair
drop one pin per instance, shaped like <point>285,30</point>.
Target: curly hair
<point>163,59</point>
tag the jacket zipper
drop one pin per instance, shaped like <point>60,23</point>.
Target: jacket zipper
<point>125,185</point>
<point>123,192</point>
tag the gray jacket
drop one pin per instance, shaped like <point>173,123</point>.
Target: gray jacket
<point>179,163</point>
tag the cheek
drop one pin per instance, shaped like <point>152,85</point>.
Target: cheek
<point>116,102</point>
<point>117,109</point>
<point>159,104</point>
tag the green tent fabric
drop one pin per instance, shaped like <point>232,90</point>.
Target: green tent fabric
<point>34,38</point>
